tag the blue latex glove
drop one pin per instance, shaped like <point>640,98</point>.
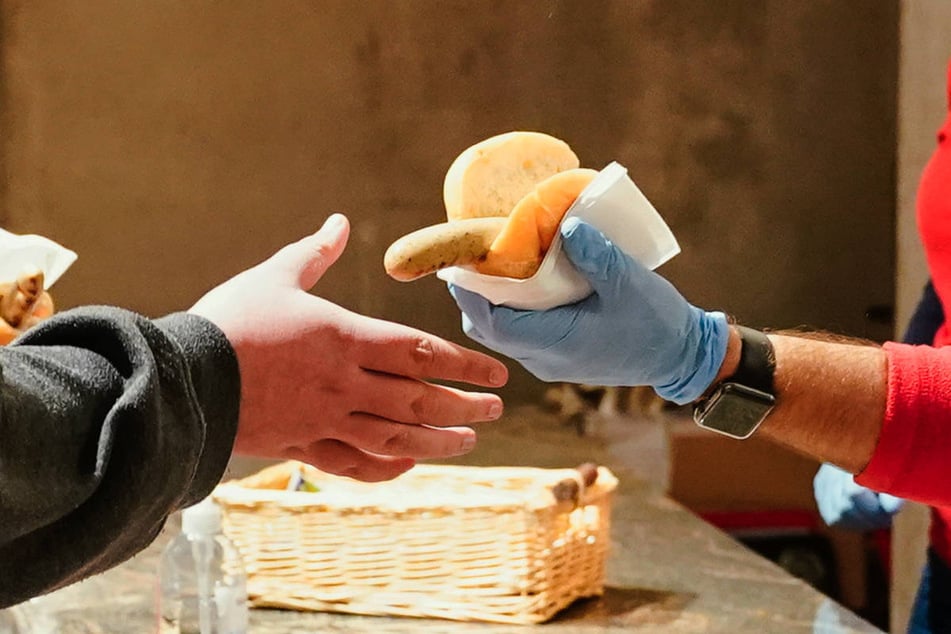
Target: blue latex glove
<point>635,329</point>
<point>845,504</point>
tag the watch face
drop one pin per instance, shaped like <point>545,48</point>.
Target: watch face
<point>735,410</point>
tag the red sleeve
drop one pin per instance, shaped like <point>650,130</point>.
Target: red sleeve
<point>913,456</point>
<point>934,222</point>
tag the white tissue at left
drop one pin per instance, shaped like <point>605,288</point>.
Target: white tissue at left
<point>23,252</point>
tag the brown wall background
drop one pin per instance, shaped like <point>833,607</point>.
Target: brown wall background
<point>173,143</point>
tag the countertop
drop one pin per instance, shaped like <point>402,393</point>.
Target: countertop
<point>668,571</point>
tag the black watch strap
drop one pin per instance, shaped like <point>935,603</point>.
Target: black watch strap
<point>740,403</point>
<point>757,361</point>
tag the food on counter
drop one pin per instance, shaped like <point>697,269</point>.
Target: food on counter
<point>276,477</point>
<point>528,180</point>
<point>285,476</point>
<point>23,303</point>
<point>298,476</point>
<point>589,473</point>
<point>300,481</point>
<point>570,490</point>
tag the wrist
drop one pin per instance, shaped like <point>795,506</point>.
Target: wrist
<point>731,360</point>
<point>743,393</point>
<point>703,358</point>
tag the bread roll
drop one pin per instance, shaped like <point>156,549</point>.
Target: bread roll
<point>489,178</point>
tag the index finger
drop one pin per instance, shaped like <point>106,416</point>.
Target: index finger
<point>396,349</point>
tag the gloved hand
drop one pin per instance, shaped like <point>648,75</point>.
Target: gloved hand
<point>845,504</point>
<point>635,329</point>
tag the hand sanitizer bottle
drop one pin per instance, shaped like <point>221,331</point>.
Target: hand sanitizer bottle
<point>202,578</point>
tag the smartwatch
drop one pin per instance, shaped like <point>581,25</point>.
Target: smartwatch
<point>740,403</point>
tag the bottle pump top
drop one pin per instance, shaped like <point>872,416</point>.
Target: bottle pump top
<point>203,518</point>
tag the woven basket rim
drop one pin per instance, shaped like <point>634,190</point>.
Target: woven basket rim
<point>383,496</point>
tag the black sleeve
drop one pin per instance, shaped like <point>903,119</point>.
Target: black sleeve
<point>927,318</point>
<point>109,422</point>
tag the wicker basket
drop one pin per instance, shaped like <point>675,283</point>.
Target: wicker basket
<point>500,544</point>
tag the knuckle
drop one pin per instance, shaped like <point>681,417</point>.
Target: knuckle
<point>423,351</point>
<point>428,404</point>
<point>339,336</point>
<point>423,407</point>
<point>318,252</point>
<point>396,443</point>
<point>323,250</point>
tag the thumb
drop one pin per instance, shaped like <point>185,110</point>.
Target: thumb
<point>594,255</point>
<point>308,259</point>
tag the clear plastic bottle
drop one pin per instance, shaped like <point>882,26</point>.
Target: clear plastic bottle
<point>202,578</point>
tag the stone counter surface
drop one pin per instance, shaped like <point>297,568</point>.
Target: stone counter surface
<point>668,571</point>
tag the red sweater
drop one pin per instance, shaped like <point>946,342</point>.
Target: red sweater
<point>912,458</point>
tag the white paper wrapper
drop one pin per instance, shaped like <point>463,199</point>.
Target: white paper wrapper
<point>22,252</point>
<point>611,203</point>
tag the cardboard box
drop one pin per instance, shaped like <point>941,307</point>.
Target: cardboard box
<point>710,472</point>
<point>717,477</point>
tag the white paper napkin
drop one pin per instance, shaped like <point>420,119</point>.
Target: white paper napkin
<point>23,252</point>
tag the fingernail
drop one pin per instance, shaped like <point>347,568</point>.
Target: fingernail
<point>495,411</point>
<point>336,221</point>
<point>468,443</point>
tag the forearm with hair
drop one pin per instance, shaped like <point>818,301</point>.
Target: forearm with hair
<point>830,395</point>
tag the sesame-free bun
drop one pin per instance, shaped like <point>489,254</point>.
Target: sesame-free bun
<point>489,178</point>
